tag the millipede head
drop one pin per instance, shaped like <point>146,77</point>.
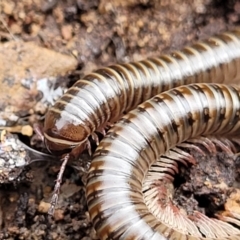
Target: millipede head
<point>61,134</point>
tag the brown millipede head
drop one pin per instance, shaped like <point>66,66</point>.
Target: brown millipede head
<point>62,135</point>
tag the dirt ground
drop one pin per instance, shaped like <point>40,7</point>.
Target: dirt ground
<point>64,40</point>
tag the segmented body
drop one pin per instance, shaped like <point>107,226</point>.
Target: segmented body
<point>118,210</point>
<point>105,95</point>
<point>123,158</point>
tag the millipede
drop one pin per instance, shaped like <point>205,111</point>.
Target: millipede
<point>120,164</point>
<point>106,95</point>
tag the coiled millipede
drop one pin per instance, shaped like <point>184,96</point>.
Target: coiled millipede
<point>105,95</point>
<point>120,164</point>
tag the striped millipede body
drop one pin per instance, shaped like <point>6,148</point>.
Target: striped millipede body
<point>118,210</point>
<point>104,96</point>
<point>120,164</point>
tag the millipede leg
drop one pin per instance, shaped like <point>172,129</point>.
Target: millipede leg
<point>95,138</point>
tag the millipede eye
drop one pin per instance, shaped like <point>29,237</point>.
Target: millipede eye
<point>53,132</point>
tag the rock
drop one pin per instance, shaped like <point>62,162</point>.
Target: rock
<point>22,65</point>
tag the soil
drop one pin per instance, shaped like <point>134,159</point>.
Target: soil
<point>80,36</point>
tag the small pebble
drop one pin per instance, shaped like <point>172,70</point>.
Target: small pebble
<point>66,31</point>
<point>43,207</point>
